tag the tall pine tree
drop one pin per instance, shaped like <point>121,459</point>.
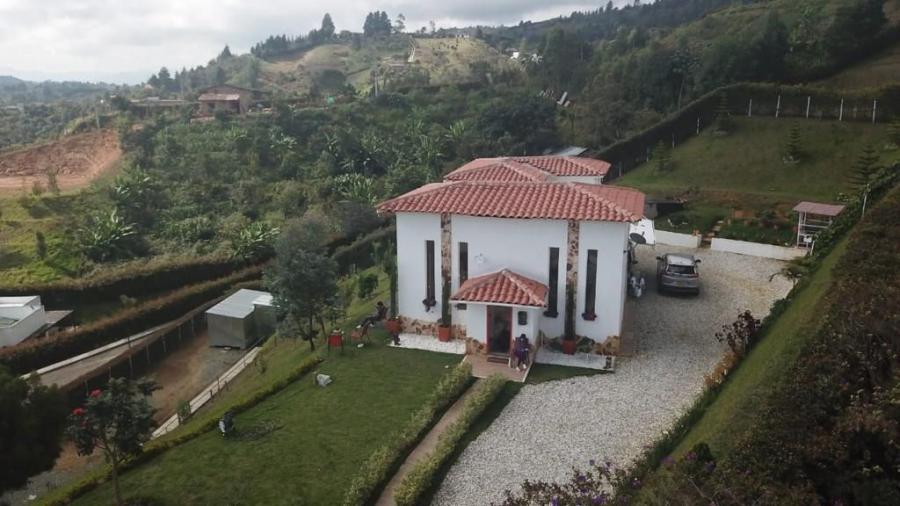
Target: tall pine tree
<point>864,168</point>
<point>793,150</point>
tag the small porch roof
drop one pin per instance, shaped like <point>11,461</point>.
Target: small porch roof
<point>819,208</point>
<point>502,287</point>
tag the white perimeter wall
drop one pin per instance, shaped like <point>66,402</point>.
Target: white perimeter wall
<point>413,229</point>
<point>611,241</point>
<point>676,239</point>
<point>756,249</point>
<point>522,246</point>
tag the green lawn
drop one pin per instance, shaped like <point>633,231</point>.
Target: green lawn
<point>735,406</point>
<point>303,445</point>
<point>749,160</point>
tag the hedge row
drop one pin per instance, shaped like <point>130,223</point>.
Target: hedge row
<point>360,253</point>
<point>156,447</point>
<point>129,279</point>
<point>377,470</point>
<point>39,352</point>
<point>421,476</point>
<point>666,444</point>
<point>701,113</point>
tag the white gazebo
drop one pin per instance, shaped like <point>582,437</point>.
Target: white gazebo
<point>814,217</point>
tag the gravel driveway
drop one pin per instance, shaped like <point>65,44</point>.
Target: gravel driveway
<point>550,427</point>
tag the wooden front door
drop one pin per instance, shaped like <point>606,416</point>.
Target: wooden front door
<point>499,329</point>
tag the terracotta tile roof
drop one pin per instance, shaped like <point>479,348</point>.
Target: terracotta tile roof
<point>528,168</point>
<point>503,287</point>
<point>532,200</point>
<point>819,208</point>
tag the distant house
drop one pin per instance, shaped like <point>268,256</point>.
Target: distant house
<point>24,317</point>
<point>241,319</point>
<point>228,98</point>
<point>151,105</point>
<point>518,240</point>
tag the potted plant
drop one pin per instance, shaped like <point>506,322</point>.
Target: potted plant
<point>568,340</point>
<point>444,327</point>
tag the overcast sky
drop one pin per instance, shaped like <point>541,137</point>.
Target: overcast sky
<point>127,40</point>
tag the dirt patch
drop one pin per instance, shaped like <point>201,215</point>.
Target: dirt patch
<point>76,159</point>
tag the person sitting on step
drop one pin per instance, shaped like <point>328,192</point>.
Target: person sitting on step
<point>380,313</point>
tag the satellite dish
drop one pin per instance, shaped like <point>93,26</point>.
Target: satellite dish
<point>637,238</point>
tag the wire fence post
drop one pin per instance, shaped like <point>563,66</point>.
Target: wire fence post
<point>808,102</point>
<point>750,109</point>
<point>698,125</point>
<point>841,114</point>
<point>874,110</point>
<point>778,106</point>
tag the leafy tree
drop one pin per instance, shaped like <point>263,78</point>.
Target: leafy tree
<point>53,182</point>
<point>137,197</point>
<point>400,23</point>
<point>107,236</point>
<point>327,29</point>
<point>377,23</point>
<point>741,335</point>
<point>356,187</point>
<point>303,278</point>
<point>116,421</point>
<point>793,150</point>
<point>864,168</point>
<point>855,23</point>
<point>519,124</point>
<point>367,284</point>
<point>254,242</point>
<point>32,420</point>
<point>225,54</point>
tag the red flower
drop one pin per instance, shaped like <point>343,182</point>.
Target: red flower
<point>78,411</point>
<point>95,393</point>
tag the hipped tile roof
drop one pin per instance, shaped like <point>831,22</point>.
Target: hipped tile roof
<point>528,168</point>
<point>528,200</point>
<point>503,287</point>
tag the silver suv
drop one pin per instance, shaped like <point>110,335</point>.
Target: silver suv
<point>677,273</point>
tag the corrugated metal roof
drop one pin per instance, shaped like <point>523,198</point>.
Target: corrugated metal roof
<point>219,97</point>
<point>240,303</point>
<point>819,208</point>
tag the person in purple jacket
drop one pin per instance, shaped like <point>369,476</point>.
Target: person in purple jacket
<point>521,351</point>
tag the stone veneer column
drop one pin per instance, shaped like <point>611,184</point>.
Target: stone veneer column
<point>445,248</point>
<point>572,258</point>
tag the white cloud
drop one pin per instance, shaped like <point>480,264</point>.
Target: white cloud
<point>126,40</point>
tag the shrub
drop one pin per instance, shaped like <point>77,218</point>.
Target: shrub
<point>367,284</point>
<point>421,476</point>
<point>377,469</point>
<point>741,335</point>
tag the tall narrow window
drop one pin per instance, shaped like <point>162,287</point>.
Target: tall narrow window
<point>553,282</point>
<point>463,267</point>
<point>430,300</point>
<point>590,286</point>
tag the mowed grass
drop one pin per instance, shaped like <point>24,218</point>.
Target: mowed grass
<point>304,444</point>
<point>765,367</point>
<point>749,160</point>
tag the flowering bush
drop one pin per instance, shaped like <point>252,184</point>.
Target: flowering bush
<point>740,335</point>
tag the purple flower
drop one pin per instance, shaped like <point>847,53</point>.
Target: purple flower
<point>554,501</point>
<point>599,499</point>
<point>668,461</point>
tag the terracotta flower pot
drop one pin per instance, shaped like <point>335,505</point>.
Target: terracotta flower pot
<point>443,333</point>
<point>568,346</point>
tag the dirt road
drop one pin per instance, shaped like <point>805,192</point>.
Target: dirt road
<point>77,160</point>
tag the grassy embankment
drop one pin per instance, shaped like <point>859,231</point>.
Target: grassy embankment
<point>741,178</point>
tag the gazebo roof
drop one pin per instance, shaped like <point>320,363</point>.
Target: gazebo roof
<point>502,287</point>
<point>819,208</point>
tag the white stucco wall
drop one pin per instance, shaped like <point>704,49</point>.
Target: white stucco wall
<point>522,246</point>
<point>676,239</point>
<point>475,318</point>
<point>756,249</point>
<point>413,229</point>
<point>611,241</point>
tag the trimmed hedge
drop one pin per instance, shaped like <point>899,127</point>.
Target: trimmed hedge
<point>377,470</point>
<point>129,279</point>
<point>359,253</point>
<point>36,353</point>
<point>156,447</point>
<point>421,476</point>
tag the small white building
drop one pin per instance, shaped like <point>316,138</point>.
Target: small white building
<point>241,319</point>
<point>20,318</point>
<point>512,237</point>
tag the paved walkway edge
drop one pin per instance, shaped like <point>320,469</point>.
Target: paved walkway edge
<point>425,446</point>
<point>208,393</point>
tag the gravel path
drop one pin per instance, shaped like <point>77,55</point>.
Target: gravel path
<point>550,427</point>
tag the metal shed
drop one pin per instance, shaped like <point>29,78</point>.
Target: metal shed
<point>241,319</point>
<point>814,217</point>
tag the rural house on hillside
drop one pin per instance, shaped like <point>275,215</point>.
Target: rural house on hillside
<point>227,98</point>
<point>512,237</point>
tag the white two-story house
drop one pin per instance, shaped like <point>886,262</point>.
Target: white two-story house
<point>514,237</point>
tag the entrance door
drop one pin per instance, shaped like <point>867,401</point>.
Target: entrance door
<point>499,329</point>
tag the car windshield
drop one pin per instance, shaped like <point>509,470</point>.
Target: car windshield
<point>680,269</point>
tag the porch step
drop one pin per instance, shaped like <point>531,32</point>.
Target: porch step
<point>497,359</point>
